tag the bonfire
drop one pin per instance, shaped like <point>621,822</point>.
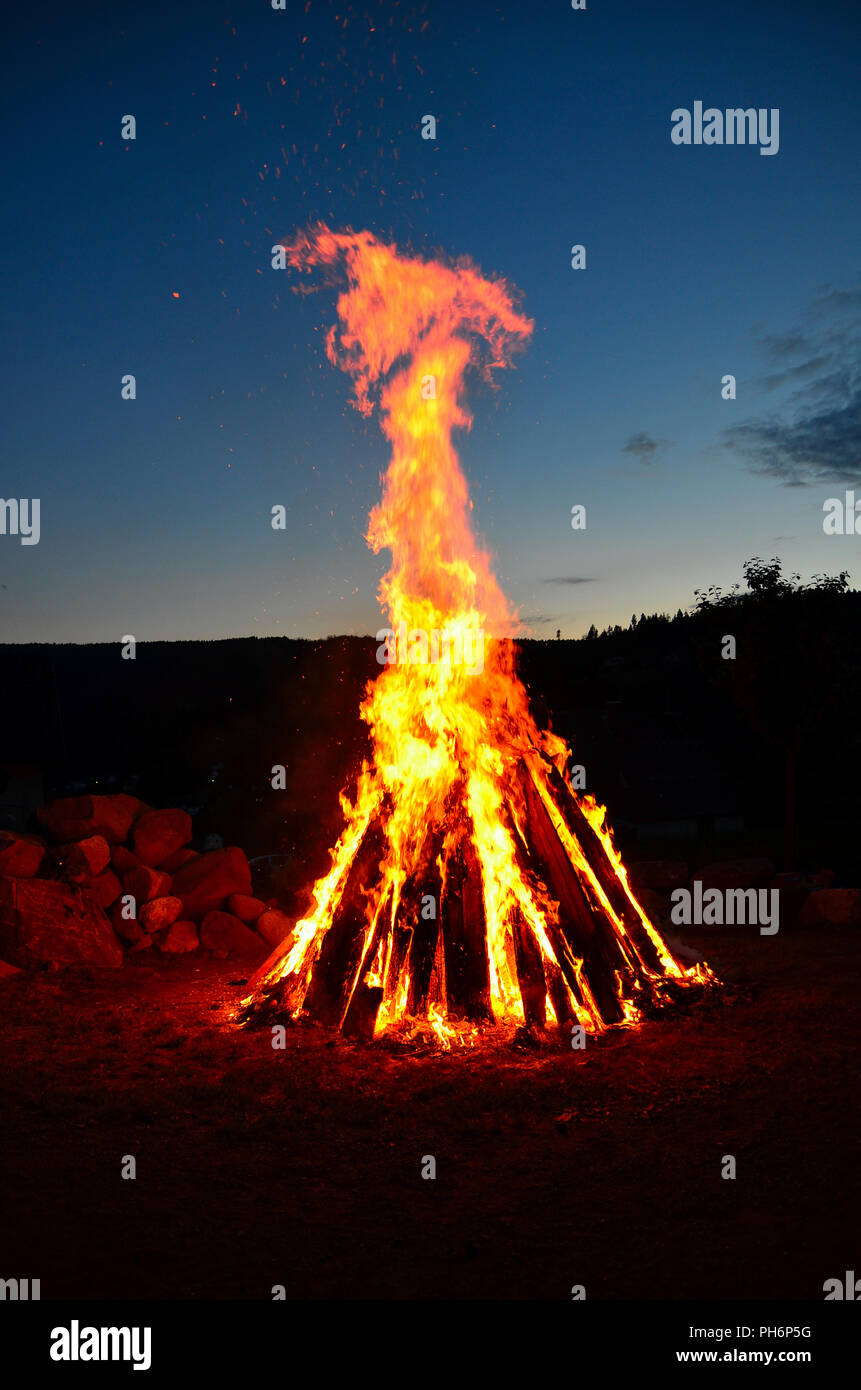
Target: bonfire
<point>472,889</point>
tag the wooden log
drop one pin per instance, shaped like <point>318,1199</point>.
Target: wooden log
<point>562,979</point>
<point>361,1014</point>
<point>356,996</point>
<point>326,996</point>
<point>596,854</point>
<point>559,996</point>
<point>415,938</point>
<point>259,980</point>
<point>530,973</point>
<point>425,884</point>
<point>464,938</point>
<point>582,928</point>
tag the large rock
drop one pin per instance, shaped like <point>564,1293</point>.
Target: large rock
<point>224,935</point>
<point>245,908</point>
<point>206,882</point>
<point>128,929</point>
<point>823,878</point>
<point>123,860</point>
<point>20,855</point>
<point>736,873</point>
<point>77,817</point>
<point>159,913</point>
<point>273,926</point>
<point>145,884</point>
<point>81,861</point>
<point>106,888</point>
<point>159,834</point>
<point>43,922</point>
<point>175,861</point>
<point>832,907</point>
<point>179,938</point>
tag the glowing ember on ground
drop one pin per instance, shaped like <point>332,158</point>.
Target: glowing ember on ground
<point>471,887</point>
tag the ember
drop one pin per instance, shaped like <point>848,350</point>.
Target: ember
<point>471,888</point>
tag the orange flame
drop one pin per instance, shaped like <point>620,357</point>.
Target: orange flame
<point>450,723</point>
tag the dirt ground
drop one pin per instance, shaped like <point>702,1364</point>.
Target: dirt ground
<point>302,1167</point>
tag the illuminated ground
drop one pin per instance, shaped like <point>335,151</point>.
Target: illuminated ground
<point>303,1167</point>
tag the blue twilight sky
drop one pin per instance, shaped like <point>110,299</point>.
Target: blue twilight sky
<point>553,129</point>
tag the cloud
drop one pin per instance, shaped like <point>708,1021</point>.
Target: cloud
<point>814,437</point>
<point>799,372</point>
<point>644,447</point>
<point>815,448</point>
<point>530,620</point>
<point>566,579</point>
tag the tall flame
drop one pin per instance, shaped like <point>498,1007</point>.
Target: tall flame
<point>452,735</point>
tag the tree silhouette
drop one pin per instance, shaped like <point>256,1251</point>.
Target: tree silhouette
<point>790,669</point>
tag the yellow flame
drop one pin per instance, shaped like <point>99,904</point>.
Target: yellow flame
<point>448,717</point>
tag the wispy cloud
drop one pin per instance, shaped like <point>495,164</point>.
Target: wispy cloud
<point>645,448</point>
<point>568,579</point>
<point>530,620</point>
<point>814,437</point>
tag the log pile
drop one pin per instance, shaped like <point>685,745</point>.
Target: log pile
<point>601,962</point>
<point>109,875</point>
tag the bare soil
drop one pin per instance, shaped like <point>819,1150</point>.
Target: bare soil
<point>302,1167</point>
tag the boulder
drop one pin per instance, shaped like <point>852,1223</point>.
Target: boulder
<point>106,888</point>
<point>273,926</point>
<point>78,817</point>
<point>145,884</point>
<point>128,929</point>
<point>823,878</point>
<point>81,861</point>
<point>179,938</point>
<point>176,861</point>
<point>123,860</point>
<point>209,880</point>
<point>736,873</point>
<point>43,922</point>
<point>832,907</point>
<point>143,944</point>
<point>661,875</point>
<point>224,935</point>
<point>245,908</point>
<point>159,834</point>
<point>159,913</point>
<point>20,855</point>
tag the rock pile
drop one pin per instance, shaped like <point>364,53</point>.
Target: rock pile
<point>110,875</point>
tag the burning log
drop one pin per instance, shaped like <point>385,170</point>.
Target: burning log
<point>325,997</point>
<point>464,935</point>
<point>596,854</point>
<point>584,931</point>
<point>530,974</point>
